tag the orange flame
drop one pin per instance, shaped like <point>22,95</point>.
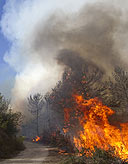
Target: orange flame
<point>36,139</point>
<point>96,129</point>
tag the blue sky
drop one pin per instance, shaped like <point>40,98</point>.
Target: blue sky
<point>7,74</point>
<point>4,44</point>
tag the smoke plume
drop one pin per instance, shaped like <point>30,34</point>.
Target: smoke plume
<point>40,31</point>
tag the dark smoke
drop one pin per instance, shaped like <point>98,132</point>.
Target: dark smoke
<point>70,59</point>
<point>91,33</point>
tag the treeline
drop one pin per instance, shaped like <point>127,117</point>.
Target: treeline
<point>90,81</point>
<point>9,122</point>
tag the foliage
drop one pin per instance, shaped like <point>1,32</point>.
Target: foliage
<point>88,80</point>
<point>9,122</point>
<point>9,146</point>
<point>105,157</point>
<point>35,103</point>
<point>118,87</point>
<point>99,157</point>
<point>85,79</point>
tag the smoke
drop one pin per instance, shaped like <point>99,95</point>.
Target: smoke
<point>91,33</point>
<point>40,30</point>
<point>36,70</point>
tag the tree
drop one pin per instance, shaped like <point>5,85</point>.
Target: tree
<point>118,87</point>
<point>9,124</point>
<point>83,78</point>
<point>9,121</point>
<point>35,104</point>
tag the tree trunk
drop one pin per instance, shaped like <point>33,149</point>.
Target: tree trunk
<point>37,128</point>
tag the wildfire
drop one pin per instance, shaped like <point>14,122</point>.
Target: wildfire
<point>36,139</point>
<point>63,152</point>
<point>96,129</point>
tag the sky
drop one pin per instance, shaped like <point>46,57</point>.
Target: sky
<point>7,74</point>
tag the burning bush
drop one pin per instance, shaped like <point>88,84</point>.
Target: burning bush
<point>82,78</point>
<point>96,129</point>
<point>99,157</point>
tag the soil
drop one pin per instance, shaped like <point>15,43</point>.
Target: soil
<point>35,154</point>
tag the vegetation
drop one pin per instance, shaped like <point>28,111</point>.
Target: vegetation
<point>86,79</point>
<point>98,157</point>
<point>59,140</point>
<point>9,122</point>
<point>35,104</point>
<point>118,87</point>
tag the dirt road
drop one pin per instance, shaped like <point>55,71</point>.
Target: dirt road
<point>35,154</point>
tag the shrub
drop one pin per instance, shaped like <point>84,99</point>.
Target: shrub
<point>9,122</point>
<point>98,157</point>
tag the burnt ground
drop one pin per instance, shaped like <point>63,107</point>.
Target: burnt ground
<point>35,154</point>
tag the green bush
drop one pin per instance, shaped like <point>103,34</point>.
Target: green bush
<point>9,122</point>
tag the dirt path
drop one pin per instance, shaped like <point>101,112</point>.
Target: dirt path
<point>35,154</point>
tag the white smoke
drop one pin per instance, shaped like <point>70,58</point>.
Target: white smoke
<point>36,71</point>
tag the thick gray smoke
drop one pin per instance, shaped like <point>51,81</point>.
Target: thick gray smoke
<point>94,33</point>
<point>97,32</point>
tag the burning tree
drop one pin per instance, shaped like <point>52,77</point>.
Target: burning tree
<point>35,105</point>
<point>79,77</point>
<point>116,95</point>
<point>82,98</point>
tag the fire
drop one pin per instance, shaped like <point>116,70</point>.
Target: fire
<point>96,129</point>
<point>65,130</point>
<point>36,139</point>
<point>63,152</point>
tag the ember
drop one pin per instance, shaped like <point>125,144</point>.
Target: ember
<point>96,129</point>
<point>63,152</point>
